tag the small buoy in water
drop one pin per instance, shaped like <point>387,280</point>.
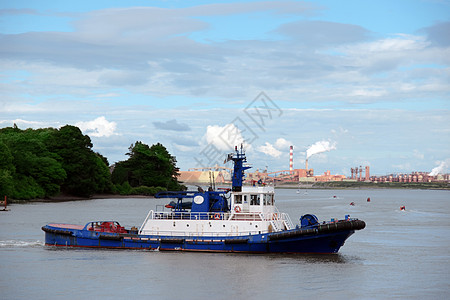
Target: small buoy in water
<point>402,207</point>
<point>334,196</point>
<point>368,199</point>
<point>352,203</point>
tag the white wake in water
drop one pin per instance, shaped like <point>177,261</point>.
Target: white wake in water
<point>20,244</point>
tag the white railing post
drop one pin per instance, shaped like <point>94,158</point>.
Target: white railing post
<point>145,221</point>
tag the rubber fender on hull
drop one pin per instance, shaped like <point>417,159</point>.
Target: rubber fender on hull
<point>294,233</point>
<point>56,231</point>
<point>110,237</point>
<point>172,241</point>
<point>342,225</point>
<point>236,241</point>
<point>324,228</point>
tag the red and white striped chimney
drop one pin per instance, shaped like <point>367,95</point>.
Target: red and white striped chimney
<point>291,161</point>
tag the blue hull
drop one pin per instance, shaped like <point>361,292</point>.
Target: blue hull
<point>317,240</point>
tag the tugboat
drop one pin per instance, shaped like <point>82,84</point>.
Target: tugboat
<point>241,219</point>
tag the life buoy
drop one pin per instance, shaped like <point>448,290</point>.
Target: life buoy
<point>237,209</point>
<point>217,216</point>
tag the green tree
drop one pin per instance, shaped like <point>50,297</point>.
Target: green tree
<point>147,166</point>
<point>35,173</point>
<point>41,162</point>
<point>86,171</point>
<point>7,169</point>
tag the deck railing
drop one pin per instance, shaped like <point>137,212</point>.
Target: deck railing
<point>278,220</point>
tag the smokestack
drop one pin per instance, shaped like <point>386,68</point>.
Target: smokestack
<point>367,174</point>
<point>306,166</point>
<point>291,161</point>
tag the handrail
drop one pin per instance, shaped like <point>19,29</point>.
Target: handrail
<point>287,221</point>
<point>275,218</point>
<point>145,221</point>
<point>158,215</point>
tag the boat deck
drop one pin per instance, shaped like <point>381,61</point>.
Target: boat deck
<point>67,226</point>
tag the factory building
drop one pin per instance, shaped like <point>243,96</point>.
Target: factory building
<point>204,176</point>
<point>222,175</point>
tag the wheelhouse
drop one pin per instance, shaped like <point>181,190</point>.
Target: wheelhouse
<point>259,199</point>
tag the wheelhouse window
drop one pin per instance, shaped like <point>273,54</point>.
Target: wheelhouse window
<point>254,200</point>
<point>237,199</point>
<point>268,199</point>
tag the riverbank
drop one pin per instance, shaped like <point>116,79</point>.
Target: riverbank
<point>66,198</point>
<point>367,185</point>
<point>304,186</point>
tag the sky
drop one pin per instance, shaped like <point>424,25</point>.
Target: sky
<point>347,83</point>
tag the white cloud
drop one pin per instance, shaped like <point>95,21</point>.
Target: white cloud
<point>99,127</point>
<point>282,144</point>
<point>269,150</point>
<point>368,93</point>
<point>23,123</point>
<point>226,137</point>
<point>183,148</point>
<point>127,63</point>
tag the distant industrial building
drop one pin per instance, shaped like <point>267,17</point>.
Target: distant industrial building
<point>412,177</point>
<point>357,175</point>
<point>222,175</point>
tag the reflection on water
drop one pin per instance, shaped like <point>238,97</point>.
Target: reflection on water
<point>309,258</point>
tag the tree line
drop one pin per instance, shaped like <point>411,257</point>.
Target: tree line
<point>41,163</point>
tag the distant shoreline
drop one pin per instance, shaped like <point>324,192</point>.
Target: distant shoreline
<point>315,186</point>
<point>67,198</point>
<point>367,185</point>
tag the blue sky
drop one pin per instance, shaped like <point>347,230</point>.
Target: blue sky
<point>370,79</point>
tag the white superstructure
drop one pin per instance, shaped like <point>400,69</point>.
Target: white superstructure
<point>252,211</point>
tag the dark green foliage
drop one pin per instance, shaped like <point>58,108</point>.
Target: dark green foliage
<point>87,172</point>
<point>147,166</point>
<point>26,187</point>
<point>33,169</point>
<point>7,169</point>
<point>40,163</point>
<point>44,162</point>
<point>147,191</point>
<point>123,189</point>
<point>126,189</point>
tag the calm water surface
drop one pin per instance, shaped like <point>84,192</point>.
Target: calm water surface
<point>400,254</point>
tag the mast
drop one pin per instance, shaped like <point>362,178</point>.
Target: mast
<point>238,172</point>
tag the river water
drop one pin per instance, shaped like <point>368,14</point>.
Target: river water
<point>400,254</point>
